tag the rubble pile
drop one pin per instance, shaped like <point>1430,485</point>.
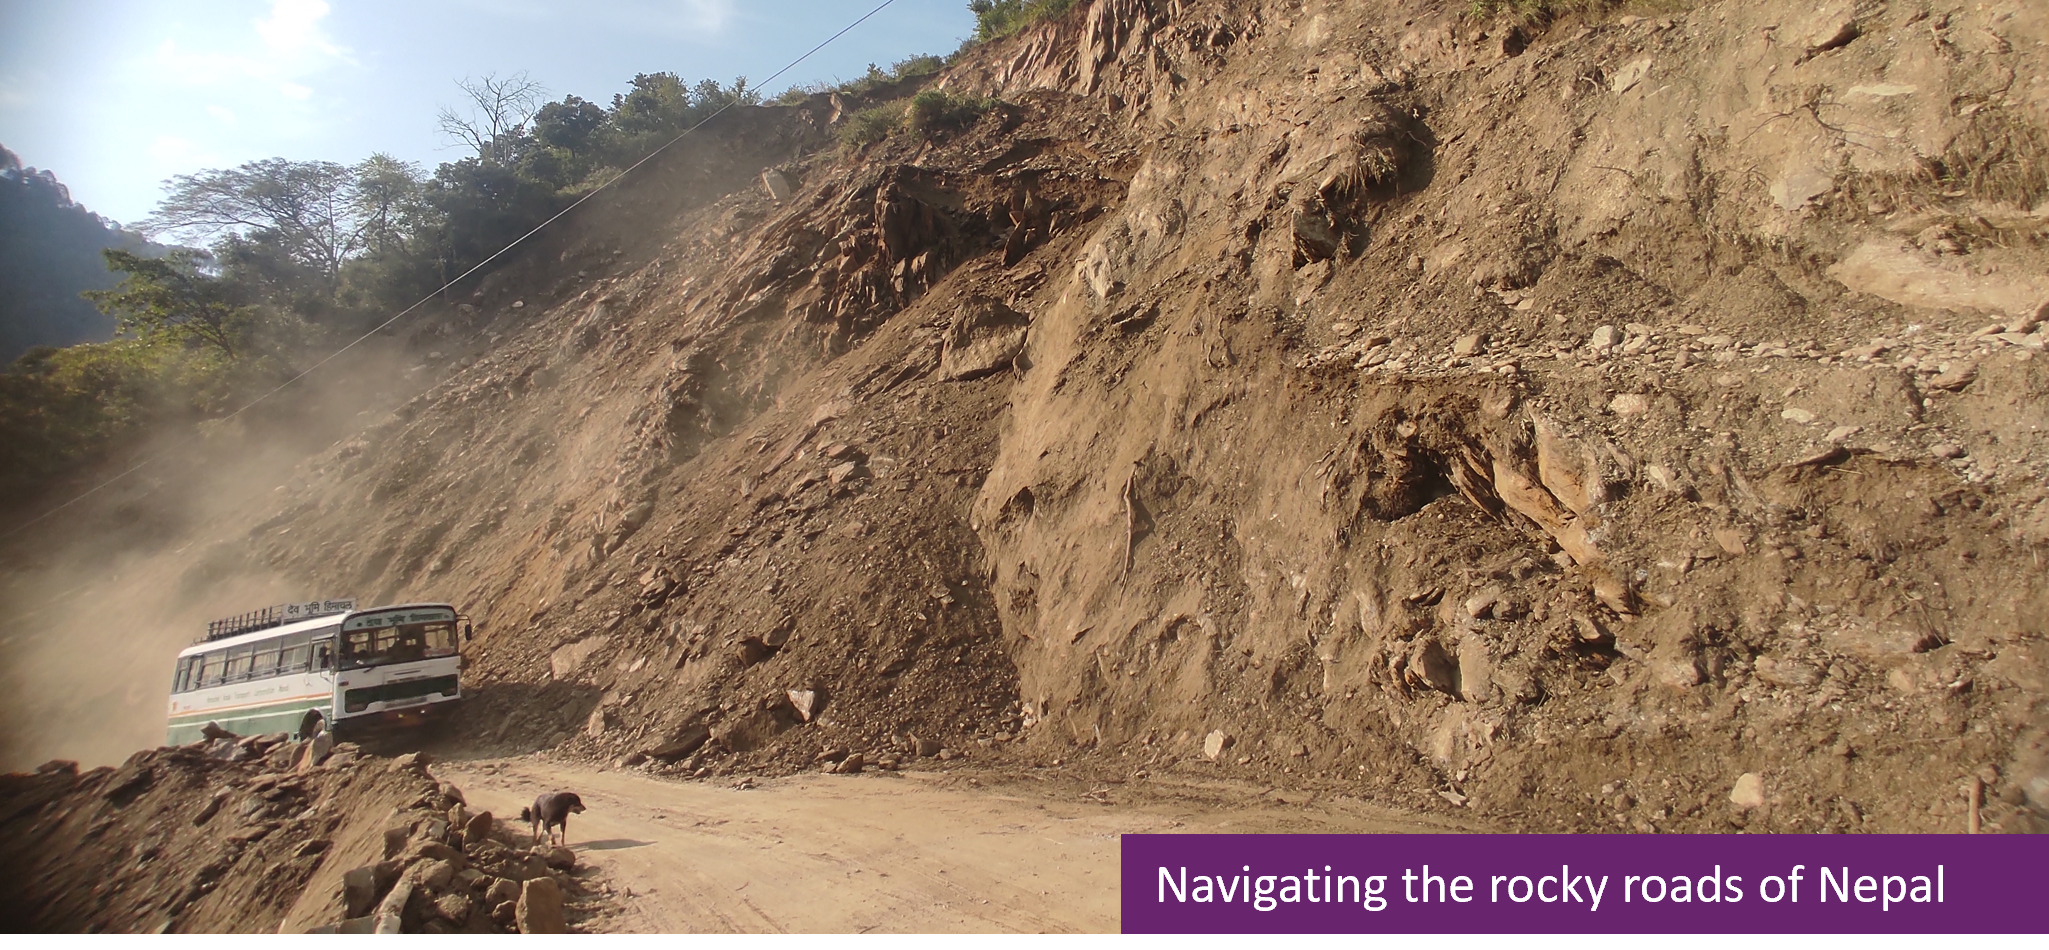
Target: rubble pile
<point>263,834</point>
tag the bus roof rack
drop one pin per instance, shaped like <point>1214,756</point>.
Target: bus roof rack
<point>276,615</point>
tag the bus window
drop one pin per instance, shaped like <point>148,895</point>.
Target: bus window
<point>323,654</point>
<point>298,653</point>
<point>238,664</point>
<point>355,645</point>
<point>265,662</point>
<point>179,676</point>
<point>440,638</point>
<point>400,644</point>
<point>212,667</point>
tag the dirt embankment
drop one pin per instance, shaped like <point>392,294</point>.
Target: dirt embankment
<point>1616,423</point>
<point>265,835</point>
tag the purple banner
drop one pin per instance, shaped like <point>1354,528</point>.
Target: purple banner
<point>1584,884</point>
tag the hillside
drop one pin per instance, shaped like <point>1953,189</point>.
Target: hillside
<point>49,253</point>
<point>1618,422</point>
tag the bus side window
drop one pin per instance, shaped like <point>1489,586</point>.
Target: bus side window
<point>323,654</point>
<point>210,669</point>
<point>178,676</point>
<point>297,655</point>
<point>265,662</point>
<point>238,664</point>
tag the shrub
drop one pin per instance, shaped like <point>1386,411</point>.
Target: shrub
<point>872,124</point>
<point>925,114</point>
<point>934,110</point>
<point>995,19</point>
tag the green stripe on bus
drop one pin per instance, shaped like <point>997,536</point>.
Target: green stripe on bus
<point>260,720</point>
<point>244,712</point>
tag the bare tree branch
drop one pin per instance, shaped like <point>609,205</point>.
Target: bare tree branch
<point>496,114</point>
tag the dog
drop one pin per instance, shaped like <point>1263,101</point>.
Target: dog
<point>551,810</point>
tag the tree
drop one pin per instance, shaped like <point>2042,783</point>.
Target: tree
<point>496,116</point>
<point>387,203</point>
<point>299,210</point>
<point>568,124</point>
<point>171,297</point>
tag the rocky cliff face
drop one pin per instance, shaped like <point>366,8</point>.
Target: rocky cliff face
<point>1559,421</point>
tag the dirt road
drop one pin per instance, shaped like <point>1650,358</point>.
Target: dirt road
<point>889,851</point>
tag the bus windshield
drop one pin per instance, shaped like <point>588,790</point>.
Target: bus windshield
<point>403,643</point>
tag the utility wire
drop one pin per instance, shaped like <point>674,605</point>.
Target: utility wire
<point>329,358</point>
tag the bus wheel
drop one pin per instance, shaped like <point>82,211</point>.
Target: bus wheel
<point>312,725</point>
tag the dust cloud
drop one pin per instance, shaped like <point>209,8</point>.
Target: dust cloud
<point>97,600</point>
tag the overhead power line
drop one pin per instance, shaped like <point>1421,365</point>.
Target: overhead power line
<point>438,291</point>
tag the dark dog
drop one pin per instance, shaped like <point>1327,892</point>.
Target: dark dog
<point>549,811</point>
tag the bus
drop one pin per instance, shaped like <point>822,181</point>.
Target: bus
<point>356,671</point>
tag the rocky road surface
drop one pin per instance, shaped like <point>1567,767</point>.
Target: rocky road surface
<point>888,851</point>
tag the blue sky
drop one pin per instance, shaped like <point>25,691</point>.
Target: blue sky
<point>115,97</point>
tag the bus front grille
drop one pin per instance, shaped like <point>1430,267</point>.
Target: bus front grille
<point>358,700</point>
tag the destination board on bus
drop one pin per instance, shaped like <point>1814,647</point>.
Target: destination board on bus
<point>395,618</point>
<point>313,608</point>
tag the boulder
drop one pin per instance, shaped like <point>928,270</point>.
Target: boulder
<point>454,908</point>
<point>501,891</point>
<point>359,890</point>
<point>984,338</point>
<point>540,908</point>
<point>213,731</point>
<point>561,858</point>
<point>315,751</point>
<point>434,874</point>
<point>1214,744</point>
<point>687,740</point>
<point>477,831</point>
<point>804,701</point>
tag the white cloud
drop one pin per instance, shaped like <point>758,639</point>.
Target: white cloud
<point>294,28</point>
<point>290,47</point>
<point>222,113</point>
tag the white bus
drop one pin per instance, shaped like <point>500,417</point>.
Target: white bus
<point>358,670</point>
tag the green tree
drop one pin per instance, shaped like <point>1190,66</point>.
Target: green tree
<point>298,211</point>
<point>387,202</point>
<point>172,298</point>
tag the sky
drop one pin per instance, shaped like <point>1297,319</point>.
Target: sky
<point>117,97</point>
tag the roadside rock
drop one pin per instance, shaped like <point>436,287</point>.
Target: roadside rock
<point>1748,792</point>
<point>540,907</point>
<point>477,831</point>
